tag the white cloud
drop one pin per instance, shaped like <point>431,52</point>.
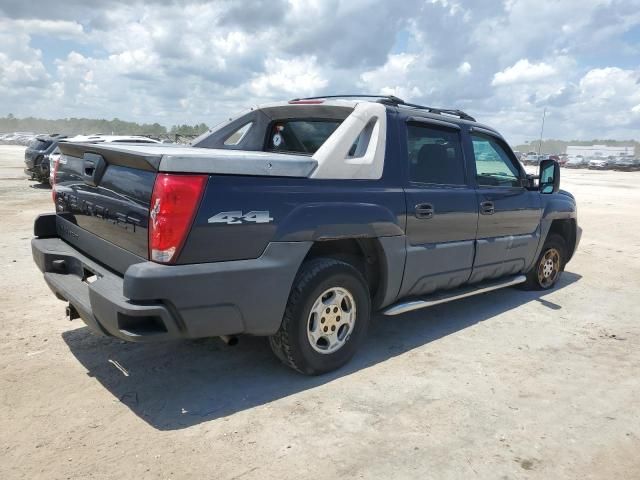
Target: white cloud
<point>21,67</point>
<point>194,61</point>
<point>394,71</point>
<point>464,68</point>
<point>523,72</point>
<point>56,28</point>
<point>296,77</point>
<point>604,85</point>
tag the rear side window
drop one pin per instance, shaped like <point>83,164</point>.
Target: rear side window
<point>236,137</point>
<point>300,136</point>
<point>435,155</point>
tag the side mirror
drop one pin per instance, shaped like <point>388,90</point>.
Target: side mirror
<point>549,176</point>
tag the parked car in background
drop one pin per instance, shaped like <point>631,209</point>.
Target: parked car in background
<point>626,164</point>
<point>531,159</point>
<point>23,138</point>
<point>576,162</point>
<point>36,156</point>
<point>598,164</point>
<point>563,159</point>
<point>535,160</point>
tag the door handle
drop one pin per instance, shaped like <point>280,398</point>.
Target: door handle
<point>487,208</point>
<point>424,210</point>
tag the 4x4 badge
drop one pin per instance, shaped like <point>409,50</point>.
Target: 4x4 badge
<point>236,217</point>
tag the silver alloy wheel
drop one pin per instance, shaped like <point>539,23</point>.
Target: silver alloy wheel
<point>549,268</point>
<point>331,320</point>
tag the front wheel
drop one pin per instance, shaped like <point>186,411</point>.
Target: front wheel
<point>326,318</point>
<point>550,264</point>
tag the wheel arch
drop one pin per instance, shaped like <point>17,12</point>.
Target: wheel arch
<point>567,229</point>
<point>377,259</point>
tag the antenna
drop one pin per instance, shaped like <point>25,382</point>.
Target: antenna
<point>544,114</point>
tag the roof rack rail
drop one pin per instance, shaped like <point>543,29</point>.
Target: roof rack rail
<point>388,97</point>
<point>393,100</point>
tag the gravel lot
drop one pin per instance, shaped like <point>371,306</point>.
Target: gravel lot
<point>511,384</point>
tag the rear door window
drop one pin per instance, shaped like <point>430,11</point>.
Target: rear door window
<point>435,155</point>
<point>300,136</point>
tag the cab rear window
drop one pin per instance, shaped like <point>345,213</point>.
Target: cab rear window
<point>300,136</point>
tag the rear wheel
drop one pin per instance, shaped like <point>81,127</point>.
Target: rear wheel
<point>550,264</point>
<point>326,318</point>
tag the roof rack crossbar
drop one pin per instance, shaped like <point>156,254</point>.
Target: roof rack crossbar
<point>393,100</point>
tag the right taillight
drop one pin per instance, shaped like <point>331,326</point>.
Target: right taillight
<point>174,203</point>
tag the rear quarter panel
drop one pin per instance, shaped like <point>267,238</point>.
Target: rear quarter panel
<point>301,210</point>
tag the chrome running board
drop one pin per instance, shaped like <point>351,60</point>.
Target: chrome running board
<point>444,297</point>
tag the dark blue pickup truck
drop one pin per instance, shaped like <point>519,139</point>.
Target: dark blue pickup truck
<point>297,220</point>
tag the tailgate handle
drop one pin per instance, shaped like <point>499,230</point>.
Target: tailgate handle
<point>93,167</point>
<point>89,168</point>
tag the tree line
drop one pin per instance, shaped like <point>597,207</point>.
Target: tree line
<point>80,126</point>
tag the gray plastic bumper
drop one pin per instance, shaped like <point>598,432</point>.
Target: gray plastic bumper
<point>161,302</point>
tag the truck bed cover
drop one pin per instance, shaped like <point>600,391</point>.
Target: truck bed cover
<point>178,158</point>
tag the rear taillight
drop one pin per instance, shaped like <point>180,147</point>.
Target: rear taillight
<point>52,179</point>
<point>174,203</point>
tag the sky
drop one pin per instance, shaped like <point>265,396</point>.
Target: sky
<point>175,62</point>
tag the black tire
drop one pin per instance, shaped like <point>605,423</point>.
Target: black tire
<point>44,176</point>
<point>291,344</point>
<point>534,282</point>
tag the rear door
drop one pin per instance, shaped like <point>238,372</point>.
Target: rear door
<point>442,210</point>
<point>509,220</point>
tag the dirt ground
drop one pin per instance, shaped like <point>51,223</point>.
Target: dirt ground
<point>508,385</point>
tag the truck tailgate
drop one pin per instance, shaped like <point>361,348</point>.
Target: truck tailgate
<point>106,194</point>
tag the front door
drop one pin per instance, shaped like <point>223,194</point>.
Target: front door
<point>509,220</point>
<point>442,210</point>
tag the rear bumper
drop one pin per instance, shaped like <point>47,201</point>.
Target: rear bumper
<point>153,302</point>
